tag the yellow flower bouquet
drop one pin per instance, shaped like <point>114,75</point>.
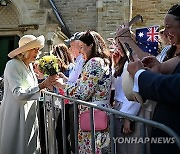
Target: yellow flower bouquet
<point>48,65</point>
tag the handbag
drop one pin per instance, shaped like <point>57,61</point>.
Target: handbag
<point>100,120</point>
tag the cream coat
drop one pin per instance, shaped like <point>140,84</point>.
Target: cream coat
<point>18,112</point>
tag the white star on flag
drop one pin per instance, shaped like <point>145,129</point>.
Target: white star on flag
<point>141,34</point>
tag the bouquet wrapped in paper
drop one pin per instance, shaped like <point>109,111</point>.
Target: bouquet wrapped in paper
<point>48,65</point>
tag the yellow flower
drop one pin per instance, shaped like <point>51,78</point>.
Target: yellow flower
<point>49,65</point>
<point>47,58</point>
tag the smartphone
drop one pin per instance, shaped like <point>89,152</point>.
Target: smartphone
<point>130,58</point>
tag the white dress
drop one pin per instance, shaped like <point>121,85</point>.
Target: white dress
<point>18,113</point>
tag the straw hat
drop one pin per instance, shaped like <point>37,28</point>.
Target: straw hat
<point>127,85</point>
<point>28,42</point>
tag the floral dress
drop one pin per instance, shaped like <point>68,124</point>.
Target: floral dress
<point>93,85</point>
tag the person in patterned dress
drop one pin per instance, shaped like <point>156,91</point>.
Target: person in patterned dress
<point>94,85</point>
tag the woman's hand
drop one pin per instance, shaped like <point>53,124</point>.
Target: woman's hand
<point>126,128</point>
<point>152,63</point>
<point>116,56</point>
<point>37,71</point>
<point>48,82</point>
<point>61,75</point>
<point>117,53</point>
<point>134,65</point>
<point>59,83</point>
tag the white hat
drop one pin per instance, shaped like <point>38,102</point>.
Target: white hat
<point>28,42</point>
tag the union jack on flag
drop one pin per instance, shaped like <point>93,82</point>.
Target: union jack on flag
<point>147,39</point>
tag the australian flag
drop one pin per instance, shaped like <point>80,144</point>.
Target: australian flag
<point>147,39</point>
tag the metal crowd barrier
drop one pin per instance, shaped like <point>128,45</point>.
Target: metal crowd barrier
<point>1,89</point>
<point>50,123</point>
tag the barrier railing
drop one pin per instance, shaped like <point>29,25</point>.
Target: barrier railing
<point>49,100</point>
<point>1,89</point>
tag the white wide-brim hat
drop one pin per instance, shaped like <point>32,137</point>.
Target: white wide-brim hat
<point>28,42</point>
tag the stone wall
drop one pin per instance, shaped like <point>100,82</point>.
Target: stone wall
<point>153,11</point>
<point>8,17</point>
<point>100,15</point>
<point>111,13</point>
<point>105,15</point>
<point>79,15</point>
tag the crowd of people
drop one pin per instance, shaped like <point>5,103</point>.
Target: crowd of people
<point>94,72</point>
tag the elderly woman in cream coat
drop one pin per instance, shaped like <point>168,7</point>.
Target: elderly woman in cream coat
<point>18,112</point>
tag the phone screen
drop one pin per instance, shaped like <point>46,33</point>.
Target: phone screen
<point>130,58</point>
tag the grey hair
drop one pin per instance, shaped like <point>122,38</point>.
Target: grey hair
<point>23,55</point>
